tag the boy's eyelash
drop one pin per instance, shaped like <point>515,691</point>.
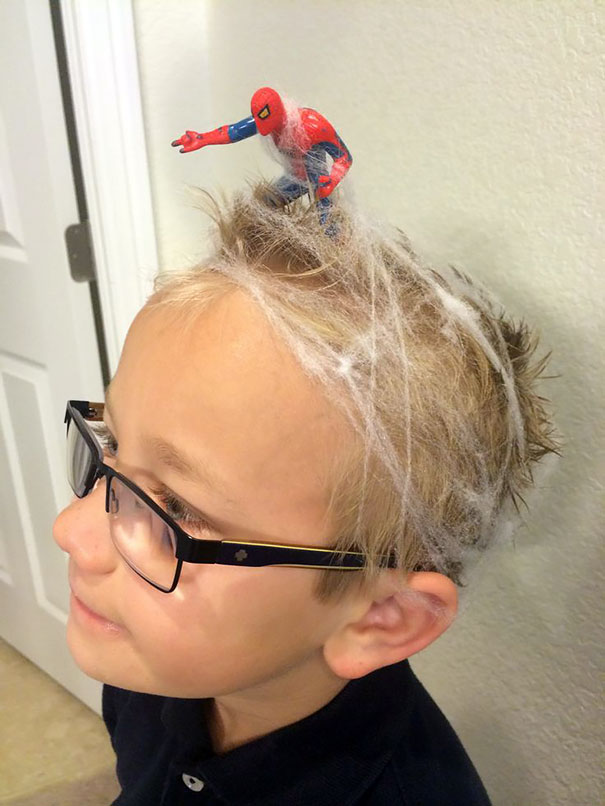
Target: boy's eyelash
<point>179,512</point>
<point>106,438</point>
<point>169,503</point>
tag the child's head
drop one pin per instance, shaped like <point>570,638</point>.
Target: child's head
<point>330,392</point>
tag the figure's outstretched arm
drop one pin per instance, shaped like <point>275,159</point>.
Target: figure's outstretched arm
<point>191,141</point>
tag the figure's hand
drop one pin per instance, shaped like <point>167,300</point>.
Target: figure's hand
<point>190,141</point>
<point>325,186</point>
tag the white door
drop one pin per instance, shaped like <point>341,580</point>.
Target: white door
<point>48,347</point>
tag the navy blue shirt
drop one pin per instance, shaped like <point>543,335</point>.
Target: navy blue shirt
<point>382,741</point>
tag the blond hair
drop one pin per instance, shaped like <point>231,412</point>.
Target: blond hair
<point>438,386</point>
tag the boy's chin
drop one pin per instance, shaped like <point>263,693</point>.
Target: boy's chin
<point>91,657</point>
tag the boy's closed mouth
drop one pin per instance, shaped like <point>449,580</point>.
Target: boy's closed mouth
<point>90,615</point>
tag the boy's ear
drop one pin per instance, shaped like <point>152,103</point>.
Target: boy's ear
<point>393,626</point>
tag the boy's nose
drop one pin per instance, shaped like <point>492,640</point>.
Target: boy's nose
<point>82,530</point>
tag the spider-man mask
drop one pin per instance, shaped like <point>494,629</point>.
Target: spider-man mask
<point>268,110</point>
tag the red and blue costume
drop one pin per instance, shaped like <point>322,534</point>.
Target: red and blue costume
<point>305,143</point>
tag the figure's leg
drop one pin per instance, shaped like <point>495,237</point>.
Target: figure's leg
<point>289,189</point>
<point>316,166</point>
<point>324,206</point>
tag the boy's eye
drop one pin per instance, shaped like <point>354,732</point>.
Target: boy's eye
<point>106,439</point>
<point>180,513</point>
<point>171,505</point>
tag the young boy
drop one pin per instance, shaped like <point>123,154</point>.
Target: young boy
<point>306,442</point>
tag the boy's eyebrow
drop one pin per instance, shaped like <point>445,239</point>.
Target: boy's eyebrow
<point>169,456</point>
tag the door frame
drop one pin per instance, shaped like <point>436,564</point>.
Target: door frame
<point>100,45</point>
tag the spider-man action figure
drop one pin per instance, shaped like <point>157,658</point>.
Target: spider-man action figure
<point>304,142</point>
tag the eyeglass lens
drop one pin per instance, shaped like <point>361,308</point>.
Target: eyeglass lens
<point>145,541</point>
<point>79,459</point>
<point>141,536</point>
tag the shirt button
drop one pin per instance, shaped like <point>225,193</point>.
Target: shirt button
<point>193,783</point>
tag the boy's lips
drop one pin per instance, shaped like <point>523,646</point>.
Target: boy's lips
<point>90,611</point>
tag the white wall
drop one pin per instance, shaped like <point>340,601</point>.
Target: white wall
<point>475,126</point>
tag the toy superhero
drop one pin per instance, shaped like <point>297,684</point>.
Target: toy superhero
<point>303,138</point>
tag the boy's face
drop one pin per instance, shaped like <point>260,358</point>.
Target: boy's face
<point>228,393</point>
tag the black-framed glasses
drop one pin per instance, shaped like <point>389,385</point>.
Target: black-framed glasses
<point>150,541</point>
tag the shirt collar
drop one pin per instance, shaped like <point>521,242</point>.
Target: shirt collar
<point>328,757</point>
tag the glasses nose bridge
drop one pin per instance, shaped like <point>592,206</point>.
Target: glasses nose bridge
<point>98,479</point>
<point>101,472</point>
<point>82,531</point>
<point>110,494</point>
<point>107,476</point>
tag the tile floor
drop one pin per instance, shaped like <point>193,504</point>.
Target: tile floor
<point>54,751</point>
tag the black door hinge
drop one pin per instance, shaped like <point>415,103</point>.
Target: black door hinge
<point>79,251</point>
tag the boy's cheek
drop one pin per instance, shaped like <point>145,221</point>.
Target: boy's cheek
<point>219,653</point>
<point>231,631</point>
